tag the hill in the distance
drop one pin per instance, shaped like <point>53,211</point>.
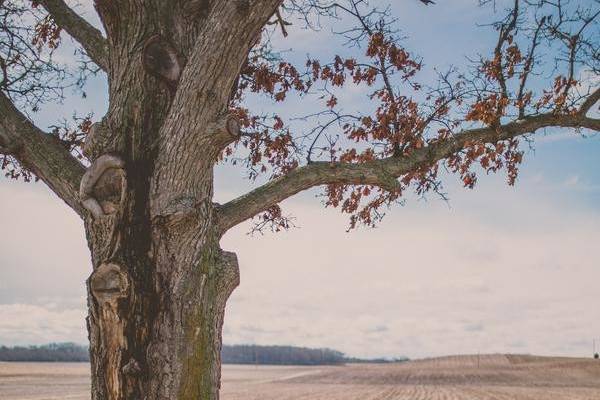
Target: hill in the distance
<point>232,354</point>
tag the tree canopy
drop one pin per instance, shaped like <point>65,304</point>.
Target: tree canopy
<point>541,72</point>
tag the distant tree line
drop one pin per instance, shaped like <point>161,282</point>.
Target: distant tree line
<point>50,352</point>
<point>353,360</point>
<point>236,354</point>
<point>280,355</point>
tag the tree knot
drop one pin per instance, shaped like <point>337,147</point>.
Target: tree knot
<point>162,60</point>
<point>225,130</point>
<point>103,186</point>
<point>109,283</point>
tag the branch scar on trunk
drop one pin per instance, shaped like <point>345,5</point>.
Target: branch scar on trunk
<point>109,283</point>
<point>162,60</point>
<point>226,130</point>
<point>103,186</point>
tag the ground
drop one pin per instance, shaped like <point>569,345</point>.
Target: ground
<point>486,377</point>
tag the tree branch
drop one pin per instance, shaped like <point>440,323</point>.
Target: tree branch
<point>41,153</point>
<point>589,102</point>
<point>89,37</point>
<point>218,62</point>
<point>384,172</point>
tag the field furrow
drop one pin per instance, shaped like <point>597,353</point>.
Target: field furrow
<point>485,377</point>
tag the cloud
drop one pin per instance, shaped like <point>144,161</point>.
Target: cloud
<point>26,324</point>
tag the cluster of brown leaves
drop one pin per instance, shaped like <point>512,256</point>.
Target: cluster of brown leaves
<point>269,144</point>
<point>47,32</point>
<point>274,80</point>
<point>395,128</point>
<point>491,158</point>
<point>488,110</point>
<point>557,97</point>
<point>503,65</point>
<point>381,47</point>
<point>362,202</point>
<point>396,122</point>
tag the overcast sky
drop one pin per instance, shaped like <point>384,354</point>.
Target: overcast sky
<point>497,269</point>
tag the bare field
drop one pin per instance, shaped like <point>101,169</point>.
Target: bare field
<point>488,377</point>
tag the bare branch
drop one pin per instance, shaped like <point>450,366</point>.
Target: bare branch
<point>41,153</point>
<point>384,172</point>
<point>505,33</point>
<point>527,68</point>
<point>89,37</point>
<point>589,102</point>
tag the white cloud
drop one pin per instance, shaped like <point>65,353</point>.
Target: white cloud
<point>25,324</point>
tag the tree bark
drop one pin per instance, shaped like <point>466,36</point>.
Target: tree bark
<point>158,338</point>
<point>157,293</point>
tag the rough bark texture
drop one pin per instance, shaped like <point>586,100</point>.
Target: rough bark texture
<point>155,323</point>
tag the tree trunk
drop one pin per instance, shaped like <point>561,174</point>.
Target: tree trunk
<point>157,294</point>
<point>155,323</point>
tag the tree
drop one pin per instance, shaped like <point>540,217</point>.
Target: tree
<point>179,75</point>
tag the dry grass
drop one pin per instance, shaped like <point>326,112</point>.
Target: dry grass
<point>489,377</point>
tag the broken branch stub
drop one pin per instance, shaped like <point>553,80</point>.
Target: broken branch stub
<point>162,60</point>
<point>103,186</point>
<point>109,283</point>
<point>226,129</point>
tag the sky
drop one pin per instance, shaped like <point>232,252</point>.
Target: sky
<point>495,269</point>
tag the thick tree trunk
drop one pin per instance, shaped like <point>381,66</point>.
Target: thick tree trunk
<point>157,337</point>
<point>160,282</point>
<point>157,294</point>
